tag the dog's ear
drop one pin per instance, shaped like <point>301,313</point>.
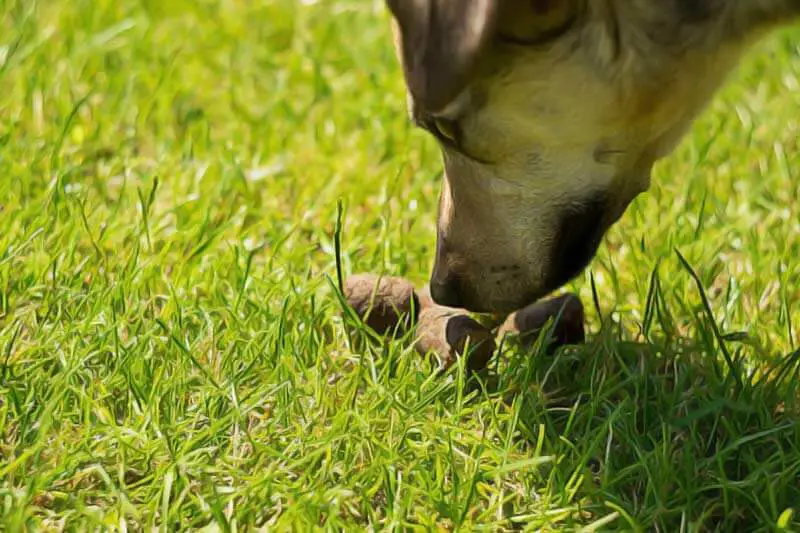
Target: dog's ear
<point>440,40</point>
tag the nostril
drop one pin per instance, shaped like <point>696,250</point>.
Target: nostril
<point>446,292</point>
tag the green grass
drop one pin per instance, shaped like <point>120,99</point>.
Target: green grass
<point>173,354</point>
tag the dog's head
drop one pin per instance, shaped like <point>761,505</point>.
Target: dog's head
<point>550,115</point>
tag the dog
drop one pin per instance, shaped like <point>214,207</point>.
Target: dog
<point>550,115</point>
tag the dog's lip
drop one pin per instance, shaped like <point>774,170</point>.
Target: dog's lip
<point>490,307</point>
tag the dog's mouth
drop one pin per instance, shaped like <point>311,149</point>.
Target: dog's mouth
<point>486,287</point>
<point>580,233</point>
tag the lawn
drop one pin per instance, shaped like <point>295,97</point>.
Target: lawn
<point>173,353</point>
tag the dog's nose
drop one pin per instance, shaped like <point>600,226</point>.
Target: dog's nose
<point>444,285</point>
<point>445,291</point>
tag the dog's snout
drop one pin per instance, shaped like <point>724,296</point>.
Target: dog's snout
<point>445,291</point>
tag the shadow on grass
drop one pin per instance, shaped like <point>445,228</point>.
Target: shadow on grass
<point>663,434</point>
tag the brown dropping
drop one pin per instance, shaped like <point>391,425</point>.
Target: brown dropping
<point>387,304</point>
<point>449,332</point>
<point>528,322</point>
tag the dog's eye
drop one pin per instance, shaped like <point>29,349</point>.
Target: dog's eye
<point>449,133</point>
<point>536,21</point>
<point>447,129</point>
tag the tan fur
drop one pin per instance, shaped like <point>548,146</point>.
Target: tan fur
<point>548,125</point>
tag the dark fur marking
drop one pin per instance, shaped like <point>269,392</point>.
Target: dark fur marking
<point>579,235</point>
